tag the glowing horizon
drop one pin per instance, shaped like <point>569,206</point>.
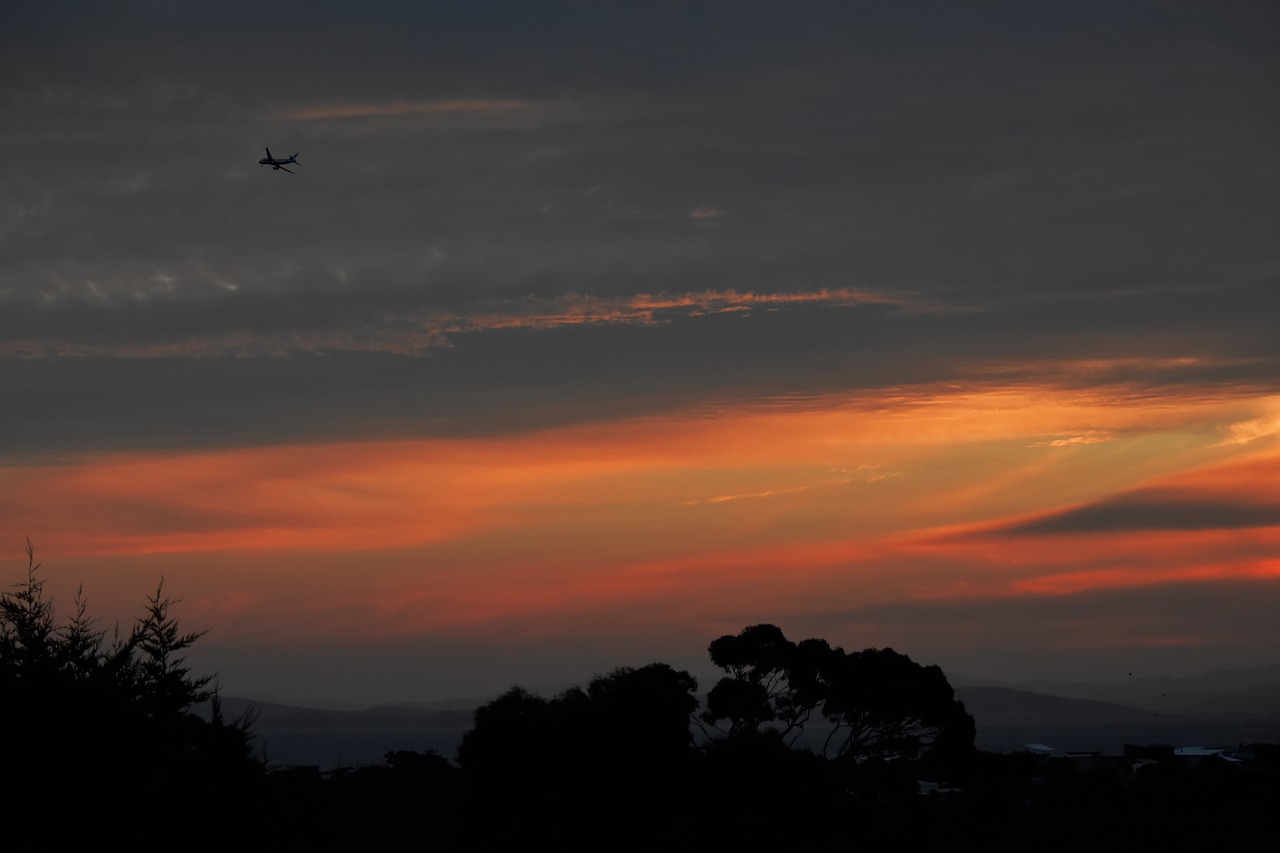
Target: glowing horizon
<point>912,495</point>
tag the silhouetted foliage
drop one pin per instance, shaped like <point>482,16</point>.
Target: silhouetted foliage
<point>167,685</point>
<point>758,793</point>
<point>619,749</point>
<point>876,703</point>
<point>771,680</point>
<point>630,717</point>
<point>514,735</point>
<point>106,721</point>
<point>643,713</point>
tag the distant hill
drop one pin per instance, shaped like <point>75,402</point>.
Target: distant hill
<point>990,705</point>
<point>1250,691</point>
<point>1224,707</point>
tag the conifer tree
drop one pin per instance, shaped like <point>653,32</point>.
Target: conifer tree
<point>104,723</point>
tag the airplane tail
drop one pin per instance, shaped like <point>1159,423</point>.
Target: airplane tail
<point>294,158</point>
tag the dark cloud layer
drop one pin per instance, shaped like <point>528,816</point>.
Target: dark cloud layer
<point>1156,509</point>
<point>502,380</point>
<point>1024,182</point>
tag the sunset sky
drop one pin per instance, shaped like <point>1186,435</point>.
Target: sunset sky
<point>586,332</point>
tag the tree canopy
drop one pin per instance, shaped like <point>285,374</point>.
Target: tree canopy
<point>619,749</point>
<point>106,719</point>
<point>875,702</point>
<point>632,718</point>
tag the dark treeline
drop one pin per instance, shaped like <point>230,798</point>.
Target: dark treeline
<point>799,746</point>
<point>98,733</point>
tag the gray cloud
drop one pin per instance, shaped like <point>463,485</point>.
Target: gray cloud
<point>1067,180</point>
<point>322,386</point>
<point>1155,509</point>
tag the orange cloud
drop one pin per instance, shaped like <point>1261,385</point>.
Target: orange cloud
<point>914,494</point>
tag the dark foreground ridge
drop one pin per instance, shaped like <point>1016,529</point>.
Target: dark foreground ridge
<point>800,746</point>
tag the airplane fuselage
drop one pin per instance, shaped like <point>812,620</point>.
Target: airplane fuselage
<point>278,162</point>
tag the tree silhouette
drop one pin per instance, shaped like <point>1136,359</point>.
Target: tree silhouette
<point>883,704</point>
<point>630,720</point>
<point>165,684</point>
<point>876,702</point>
<point>106,722</point>
<point>617,750</point>
<point>513,736</point>
<point>771,680</point>
<point>644,713</point>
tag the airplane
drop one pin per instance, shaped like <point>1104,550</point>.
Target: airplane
<point>275,163</point>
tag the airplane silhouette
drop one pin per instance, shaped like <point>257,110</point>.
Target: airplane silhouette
<point>276,163</point>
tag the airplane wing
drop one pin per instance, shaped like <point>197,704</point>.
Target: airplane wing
<point>269,157</point>
<point>290,171</point>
